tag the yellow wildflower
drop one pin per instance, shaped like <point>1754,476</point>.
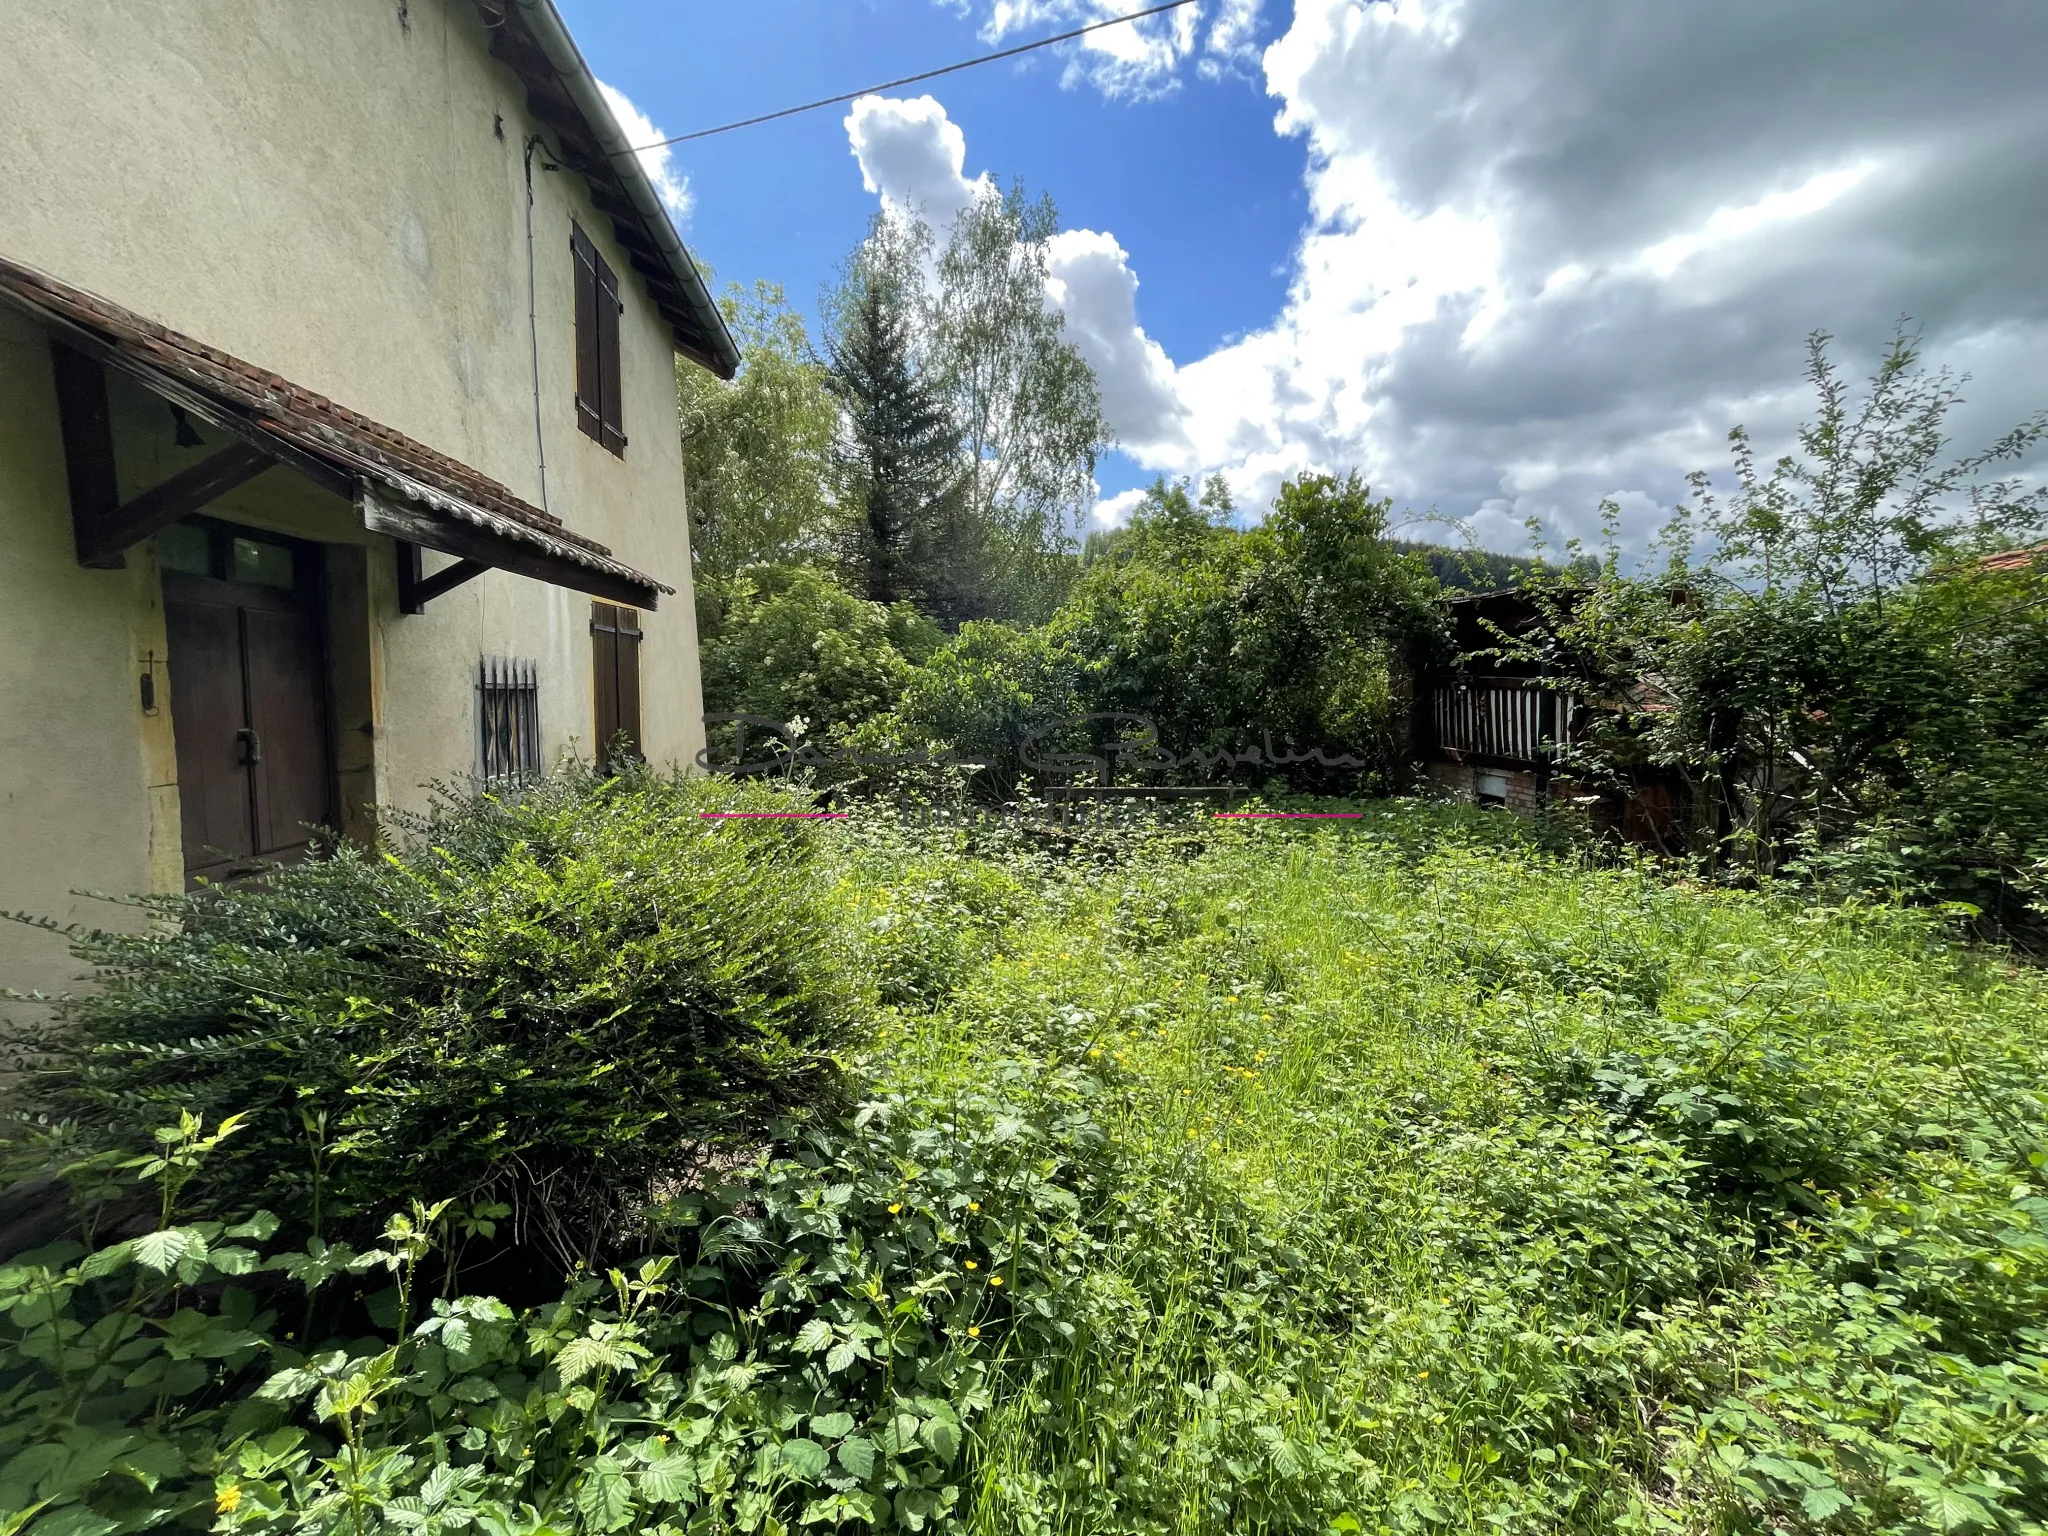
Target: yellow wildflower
<point>995,1279</point>
<point>972,1265</point>
<point>895,1210</point>
<point>974,1205</point>
<point>974,1333</point>
<point>228,1499</point>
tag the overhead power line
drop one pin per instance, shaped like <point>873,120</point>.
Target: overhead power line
<point>890,85</point>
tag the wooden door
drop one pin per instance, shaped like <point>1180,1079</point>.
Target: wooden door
<point>248,699</point>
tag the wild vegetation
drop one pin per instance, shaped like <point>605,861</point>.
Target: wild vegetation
<point>1408,1174</point>
<point>606,1156</point>
<point>1845,658</point>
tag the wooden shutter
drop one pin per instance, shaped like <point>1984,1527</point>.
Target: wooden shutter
<point>629,682</point>
<point>615,680</point>
<point>611,415</point>
<point>589,356</point>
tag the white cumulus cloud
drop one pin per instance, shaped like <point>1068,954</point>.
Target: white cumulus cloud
<point>1136,59</point>
<point>1554,252</point>
<point>1091,281</point>
<point>658,162</point>
<point>913,157</point>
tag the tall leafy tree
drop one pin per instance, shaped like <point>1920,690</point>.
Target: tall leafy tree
<point>1026,401</point>
<point>757,450</point>
<point>898,452</point>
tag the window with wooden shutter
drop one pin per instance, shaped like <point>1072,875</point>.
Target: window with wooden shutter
<point>599,410</point>
<point>615,681</point>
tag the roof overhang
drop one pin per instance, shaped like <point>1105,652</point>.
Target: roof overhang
<point>399,486</point>
<point>528,36</point>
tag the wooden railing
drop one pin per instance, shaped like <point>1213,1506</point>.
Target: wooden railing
<point>1507,719</point>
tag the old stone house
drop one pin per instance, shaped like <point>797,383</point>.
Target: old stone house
<point>338,446</point>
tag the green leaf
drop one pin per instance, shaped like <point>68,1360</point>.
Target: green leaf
<point>814,1336</point>
<point>1819,1503</point>
<point>604,1496</point>
<point>806,1459</point>
<point>160,1250</point>
<point>671,1480</point>
<point>943,1436</point>
<point>857,1455</point>
<point>107,1261</point>
<point>1950,1509</point>
<point>832,1426</point>
<point>843,1354</point>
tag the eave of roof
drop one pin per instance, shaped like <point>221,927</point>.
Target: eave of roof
<point>331,444</point>
<point>528,36</point>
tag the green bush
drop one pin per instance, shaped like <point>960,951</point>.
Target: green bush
<point>815,1347</point>
<point>551,1000</point>
<point>1295,636</point>
<point>789,643</point>
<point>1399,1176</point>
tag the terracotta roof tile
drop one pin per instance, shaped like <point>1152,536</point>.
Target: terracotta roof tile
<point>2015,559</point>
<point>299,416</point>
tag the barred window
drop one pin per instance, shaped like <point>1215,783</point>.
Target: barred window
<point>508,720</point>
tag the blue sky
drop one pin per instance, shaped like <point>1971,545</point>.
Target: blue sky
<point>1207,199</point>
<point>1507,260</point>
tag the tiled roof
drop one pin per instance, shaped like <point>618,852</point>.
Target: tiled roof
<point>2016,559</point>
<point>312,423</point>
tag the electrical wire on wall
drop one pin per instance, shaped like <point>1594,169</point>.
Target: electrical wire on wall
<point>540,442</point>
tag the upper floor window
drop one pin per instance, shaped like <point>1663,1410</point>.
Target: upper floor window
<point>598,309</point>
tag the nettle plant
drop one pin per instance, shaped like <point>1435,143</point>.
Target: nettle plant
<point>811,1348</point>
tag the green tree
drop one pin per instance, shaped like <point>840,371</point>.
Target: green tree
<point>756,451</point>
<point>1294,636</point>
<point>898,457</point>
<point>792,645</point>
<point>1027,406</point>
<point>1844,685</point>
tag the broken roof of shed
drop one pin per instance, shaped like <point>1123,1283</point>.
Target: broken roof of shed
<point>402,487</point>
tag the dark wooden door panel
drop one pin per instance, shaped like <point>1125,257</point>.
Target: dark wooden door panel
<point>287,714</point>
<point>207,705</point>
<point>248,701</point>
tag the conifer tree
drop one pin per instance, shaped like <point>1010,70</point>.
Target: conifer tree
<point>899,451</point>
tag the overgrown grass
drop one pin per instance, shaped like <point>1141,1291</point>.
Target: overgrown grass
<point>1462,1185</point>
<point>1411,1173</point>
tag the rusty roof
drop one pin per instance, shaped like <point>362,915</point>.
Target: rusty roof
<point>298,418</point>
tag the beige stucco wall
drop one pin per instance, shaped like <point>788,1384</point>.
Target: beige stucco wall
<point>323,190</point>
<point>86,779</point>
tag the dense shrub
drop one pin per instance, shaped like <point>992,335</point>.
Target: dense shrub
<point>549,999</point>
<point>1295,636</point>
<point>1852,695</point>
<point>790,644</point>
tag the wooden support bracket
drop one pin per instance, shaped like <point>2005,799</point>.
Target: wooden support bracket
<point>180,496</point>
<point>416,590</point>
<point>101,525</point>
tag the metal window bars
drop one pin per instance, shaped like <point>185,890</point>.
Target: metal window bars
<point>508,720</point>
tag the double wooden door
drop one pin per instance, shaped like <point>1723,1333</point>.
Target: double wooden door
<point>249,699</point>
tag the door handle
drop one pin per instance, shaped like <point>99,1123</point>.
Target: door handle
<point>251,745</point>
